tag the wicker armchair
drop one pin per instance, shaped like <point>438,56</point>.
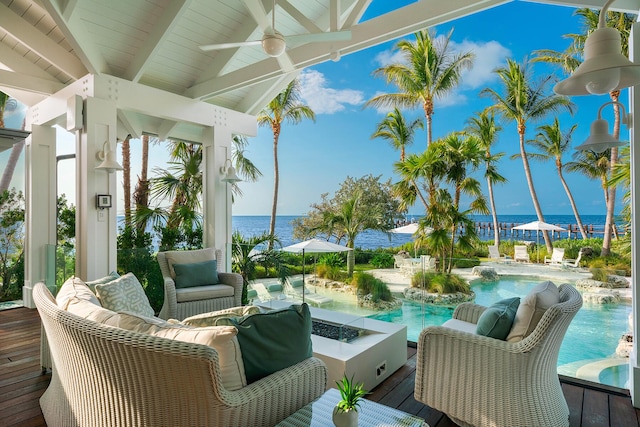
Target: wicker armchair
<point>182,303</point>
<point>481,381</point>
<point>104,376</point>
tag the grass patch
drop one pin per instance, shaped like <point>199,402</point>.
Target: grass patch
<point>440,283</point>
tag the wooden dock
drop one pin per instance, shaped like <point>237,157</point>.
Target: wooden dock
<point>485,229</point>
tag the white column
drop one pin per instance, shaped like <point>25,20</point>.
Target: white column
<point>96,229</point>
<point>634,99</point>
<point>40,208</point>
<point>217,201</point>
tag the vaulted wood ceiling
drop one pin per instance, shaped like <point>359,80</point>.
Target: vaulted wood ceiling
<point>47,44</point>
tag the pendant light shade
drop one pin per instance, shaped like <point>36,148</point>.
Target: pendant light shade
<point>604,68</point>
<point>273,44</point>
<point>229,173</point>
<point>108,157</point>
<point>600,139</point>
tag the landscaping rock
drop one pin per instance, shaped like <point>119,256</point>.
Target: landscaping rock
<point>487,274</point>
<point>416,294</point>
<point>625,345</point>
<point>602,296</point>
<point>586,284</point>
<point>617,281</point>
<point>368,302</point>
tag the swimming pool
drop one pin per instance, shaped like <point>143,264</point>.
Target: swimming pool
<point>593,333</point>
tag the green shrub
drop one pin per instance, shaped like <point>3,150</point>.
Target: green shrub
<point>332,259</point>
<point>440,283</point>
<point>382,260</point>
<point>466,262</point>
<point>367,284</point>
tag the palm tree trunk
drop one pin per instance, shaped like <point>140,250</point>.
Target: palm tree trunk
<point>532,190</point>
<point>611,199</point>
<point>141,192</point>
<point>496,231</point>
<point>276,183</point>
<point>7,175</point>
<point>572,202</point>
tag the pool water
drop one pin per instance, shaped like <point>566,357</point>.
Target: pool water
<point>593,334</point>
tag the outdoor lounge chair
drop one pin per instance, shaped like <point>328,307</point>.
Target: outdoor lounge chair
<point>397,261</point>
<point>263,293</point>
<point>572,263</point>
<point>486,382</point>
<point>294,288</point>
<point>520,253</point>
<point>182,302</point>
<point>494,254</point>
<point>556,257</point>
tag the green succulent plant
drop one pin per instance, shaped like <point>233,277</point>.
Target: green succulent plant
<point>351,394</point>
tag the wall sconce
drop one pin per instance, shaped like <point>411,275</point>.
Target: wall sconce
<point>604,68</point>
<point>109,162</point>
<point>229,173</point>
<point>600,139</point>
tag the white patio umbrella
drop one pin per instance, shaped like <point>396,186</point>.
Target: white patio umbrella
<point>410,229</point>
<point>313,246</point>
<point>538,226</point>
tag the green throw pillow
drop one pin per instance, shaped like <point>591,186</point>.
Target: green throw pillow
<point>273,340</point>
<point>496,320</point>
<point>106,279</point>
<point>196,274</point>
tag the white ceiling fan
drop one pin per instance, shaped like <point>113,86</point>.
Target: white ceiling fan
<point>273,42</point>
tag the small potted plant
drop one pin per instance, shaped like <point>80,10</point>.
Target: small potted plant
<point>345,414</point>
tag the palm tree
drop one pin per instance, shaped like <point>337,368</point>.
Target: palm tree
<point>243,165</point>
<point>485,129</point>
<point>569,61</point>
<point>4,99</point>
<point>554,144</point>
<point>126,180</point>
<point>287,106</point>
<point>5,104</point>
<point>522,102</point>
<point>245,258</point>
<point>395,129</point>
<point>141,191</point>
<point>592,165</point>
<point>351,219</point>
<point>430,71</point>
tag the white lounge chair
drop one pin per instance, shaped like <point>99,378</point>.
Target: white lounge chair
<point>573,263</point>
<point>520,253</point>
<point>427,262</point>
<point>557,257</point>
<point>263,293</point>
<point>294,288</point>
<point>397,261</point>
<point>494,254</point>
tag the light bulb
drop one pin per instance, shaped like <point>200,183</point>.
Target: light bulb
<point>603,81</point>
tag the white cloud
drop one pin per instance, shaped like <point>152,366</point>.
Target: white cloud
<point>488,56</point>
<point>323,99</point>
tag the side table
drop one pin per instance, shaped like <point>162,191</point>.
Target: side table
<point>371,414</point>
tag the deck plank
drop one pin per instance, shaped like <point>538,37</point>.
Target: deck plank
<point>22,383</point>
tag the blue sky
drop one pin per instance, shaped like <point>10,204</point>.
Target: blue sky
<point>316,158</point>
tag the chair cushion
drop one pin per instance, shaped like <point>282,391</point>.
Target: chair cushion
<point>530,311</point>
<point>273,340</point>
<point>496,320</point>
<point>296,283</point>
<point>186,257</point>
<point>198,293</point>
<point>88,310</point>
<point>106,279</point>
<point>209,319</point>
<point>124,294</point>
<point>221,338</point>
<point>460,325</point>
<point>196,274</point>
<point>75,288</point>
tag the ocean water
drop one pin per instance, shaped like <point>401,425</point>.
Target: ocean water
<point>256,225</point>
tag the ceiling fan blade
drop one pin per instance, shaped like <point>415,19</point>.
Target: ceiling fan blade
<point>334,36</point>
<point>231,45</point>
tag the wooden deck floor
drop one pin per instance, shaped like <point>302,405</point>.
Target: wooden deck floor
<point>22,383</point>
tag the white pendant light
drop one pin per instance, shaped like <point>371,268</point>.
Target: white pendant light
<point>604,68</point>
<point>108,157</point>
<point>229,173</point>
<point>600,139</point>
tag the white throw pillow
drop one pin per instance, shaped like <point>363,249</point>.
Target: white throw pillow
<point>221,338</point>
<point>124,294</point>
<point>531,310</point>
<point>91,311</point>
<point>74,288</point>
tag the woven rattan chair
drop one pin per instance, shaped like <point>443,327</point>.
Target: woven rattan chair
<point>105,376</point>
<point>481,381</point>
<point>182,303</point>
